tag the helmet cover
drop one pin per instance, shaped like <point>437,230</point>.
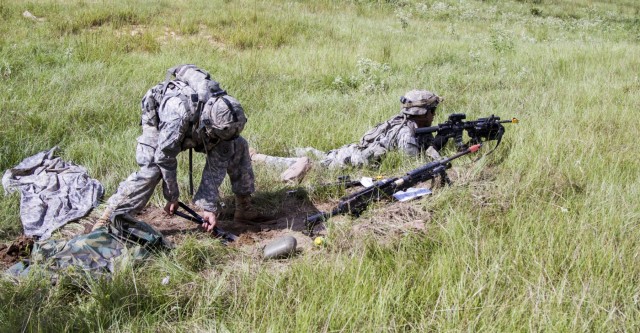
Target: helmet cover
<point>223,118</point>
<point>418,102</point>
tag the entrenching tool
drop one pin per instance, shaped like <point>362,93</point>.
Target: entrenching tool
<point>195,217</point>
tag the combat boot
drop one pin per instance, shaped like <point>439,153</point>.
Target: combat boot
<point>256,157</point>
<point>246,213</point>
<point>297,171</point>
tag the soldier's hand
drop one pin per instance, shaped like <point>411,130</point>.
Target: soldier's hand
<point>170,207</point>
<point>210,220</point>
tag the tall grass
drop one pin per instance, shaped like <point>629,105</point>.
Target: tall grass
<point>541,235</point>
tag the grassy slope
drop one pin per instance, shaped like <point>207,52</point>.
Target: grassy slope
<point>547,240</point>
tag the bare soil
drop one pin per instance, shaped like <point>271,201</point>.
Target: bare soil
<point>17,250</point>
<point>287,211</point>
<point>286,220</point>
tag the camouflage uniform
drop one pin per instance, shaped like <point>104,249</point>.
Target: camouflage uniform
<point>177,126</point>
<point>397,133</point>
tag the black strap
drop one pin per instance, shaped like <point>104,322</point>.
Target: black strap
<point>231,109</point>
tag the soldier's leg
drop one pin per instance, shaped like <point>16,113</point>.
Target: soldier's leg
<point>341,157</point>
<point>297,167</point>
<point>134,192</point>
<point>240,170</point>
<point>242,180</point>
<point>277,161</point>
<point>309,151</point>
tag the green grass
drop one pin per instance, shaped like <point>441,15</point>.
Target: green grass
<point>541,236</point>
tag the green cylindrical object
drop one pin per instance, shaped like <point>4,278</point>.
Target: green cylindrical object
<point>280,248</point>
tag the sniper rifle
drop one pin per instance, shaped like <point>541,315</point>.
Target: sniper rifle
<point>357,202</point>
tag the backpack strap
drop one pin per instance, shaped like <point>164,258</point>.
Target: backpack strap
<point>167,78</point>
<point>185,100</point>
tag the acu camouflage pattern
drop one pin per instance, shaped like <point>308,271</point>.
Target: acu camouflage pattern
<point>167,132</point>
<point>222,117</point>
<point>395,133</point>
<point>197,78</point>
<point>52,192</point>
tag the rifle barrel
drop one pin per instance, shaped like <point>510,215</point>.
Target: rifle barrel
<point>425,130</point>
<point>434,167</point>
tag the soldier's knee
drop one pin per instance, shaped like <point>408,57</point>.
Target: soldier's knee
<point>149,173</point>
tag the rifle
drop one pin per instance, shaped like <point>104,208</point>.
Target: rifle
<point>357,202</point>
<point>480,130</point>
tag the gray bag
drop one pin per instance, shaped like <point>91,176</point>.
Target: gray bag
<point>197,78</point>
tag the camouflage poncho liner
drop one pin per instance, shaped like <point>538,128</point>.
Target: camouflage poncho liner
<point>53,192</point>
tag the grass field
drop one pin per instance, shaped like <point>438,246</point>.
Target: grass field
<point>542,235</point>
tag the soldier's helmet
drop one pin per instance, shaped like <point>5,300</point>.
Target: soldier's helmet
<point>418,102</point>
<point>222,118</point>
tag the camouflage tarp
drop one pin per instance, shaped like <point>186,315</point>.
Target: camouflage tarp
<point>96,252</point>
<point>53,192</point>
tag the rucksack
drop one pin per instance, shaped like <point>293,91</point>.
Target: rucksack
<point>198,79</point>
<point>192,84</point>
<point>154,97</point>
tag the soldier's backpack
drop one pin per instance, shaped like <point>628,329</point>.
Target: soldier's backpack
<point>198,79</point>
<point>189,82</point>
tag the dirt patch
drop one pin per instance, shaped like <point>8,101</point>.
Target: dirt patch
<point>289,212</point>
<point>15,251</point>
<point>288,220</point>
<point>393,220</point>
